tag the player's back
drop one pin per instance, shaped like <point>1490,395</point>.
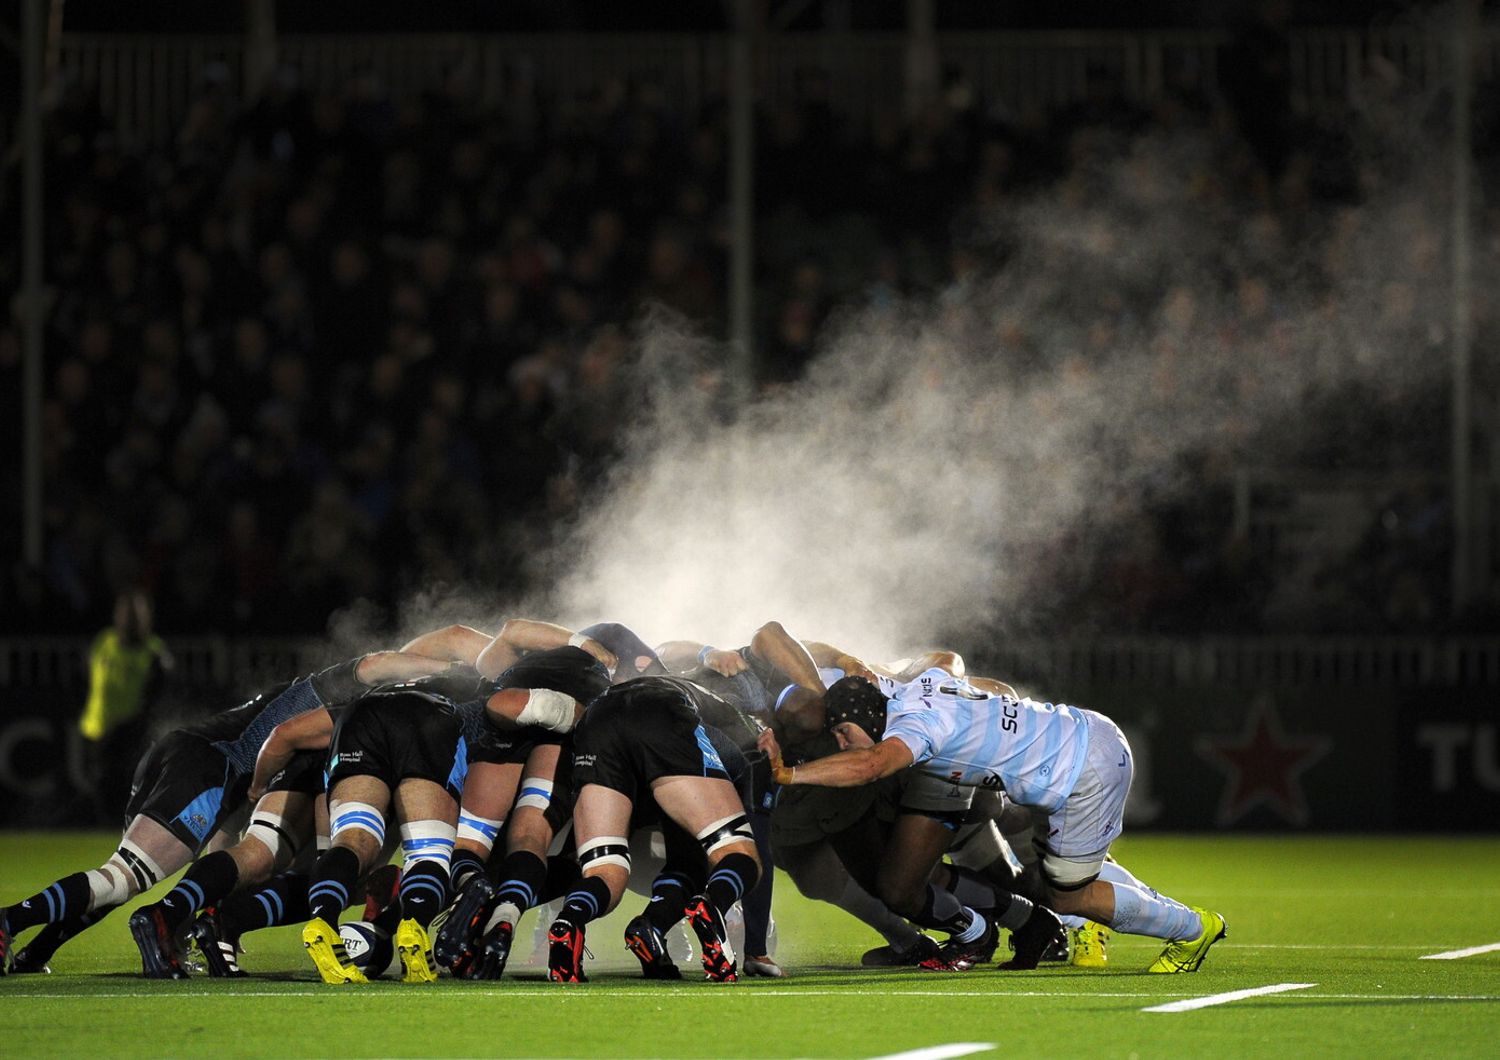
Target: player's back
<point>983,739</point>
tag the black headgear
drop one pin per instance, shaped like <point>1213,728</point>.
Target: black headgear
<point>855,699</point>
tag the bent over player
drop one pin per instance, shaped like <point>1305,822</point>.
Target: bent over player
<point>1073,767</point>
<point>641,740</point>
<point>188,784</point>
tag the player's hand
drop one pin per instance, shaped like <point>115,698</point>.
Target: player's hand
<point>780,773</point>
<point>853,667</point>
<point>728,663</point>
<point>600,652</point>
<point>257,789</point>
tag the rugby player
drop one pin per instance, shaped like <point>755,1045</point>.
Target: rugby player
<point>1073,767</point>
<point>645,740</point>
<point>517,786</point>
<point>187,788</point>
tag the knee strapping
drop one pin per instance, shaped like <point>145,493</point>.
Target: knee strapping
<point>351,816</point>
<point>605,850</point>
<point>429,840</point>
<point>481,831</point>
<point>270,829</point>
<point>721,833</point>
<point>110,884</point>
<point>535,791</point>
<point>140,868</point>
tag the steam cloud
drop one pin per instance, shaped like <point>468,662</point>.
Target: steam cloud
<point>948,466</point>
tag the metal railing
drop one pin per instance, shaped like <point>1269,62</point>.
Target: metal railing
<point>1107,661</point>
<point>147,83</point>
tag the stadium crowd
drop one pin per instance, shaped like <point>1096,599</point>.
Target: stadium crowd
<point>324,344</point>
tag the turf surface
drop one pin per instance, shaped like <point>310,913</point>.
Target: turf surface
<point>1350,916</point>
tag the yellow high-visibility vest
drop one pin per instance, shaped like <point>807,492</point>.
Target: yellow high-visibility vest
<point>117,682</point>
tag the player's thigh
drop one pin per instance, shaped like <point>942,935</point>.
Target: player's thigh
<point>861,847</point>
<point>602,815</point>
<point>356,797</point>
<point>815,868</point>
<point>530,827</point>
<point>417,799</point>
<point>280,825</point>
<point>917,844</point>
<point>157,842</point>
<point>490,789</point>
<point>695,803</point>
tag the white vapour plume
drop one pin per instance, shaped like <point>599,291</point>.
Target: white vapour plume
<point>955,464</point>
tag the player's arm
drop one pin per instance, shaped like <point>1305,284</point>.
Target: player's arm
<point>911,669</point>
<point>838,659</point>
<point>680,656</point>
<point>990,684</point>
<point>513,708</point>
<point>520,635</point>
<point>311,731</point>
<point>455,643</point>
<point>788,655</point>
<point>392,667</point>
<point>847,769</point>
<point>798,716</point>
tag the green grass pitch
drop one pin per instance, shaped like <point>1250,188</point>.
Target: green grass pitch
<point>1350,917</point>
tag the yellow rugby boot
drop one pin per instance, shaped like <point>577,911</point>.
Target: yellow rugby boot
<point>1087,946</point>
<point>1187,954</point>
<point>415,948</point>
<point>326,948</point>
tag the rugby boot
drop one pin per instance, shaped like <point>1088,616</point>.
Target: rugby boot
<point>764,967</point>
<point>494,952</point>
<point>220,953</point>
<point>1086,946</point>
<point>382,887</point>
<point>565,953</point>
<point>955,956</point>
<point>650,948</point>
<point>1041,932</point>
<point>1186,955</point>
<point>25,962</point>
<point>159,958</point>
<point>713,940</point>
<point>415,949</point>
<point>455,944</point>
<point>325,947</point>
<point>888,956</point>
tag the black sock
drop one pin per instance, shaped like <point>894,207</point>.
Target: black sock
<point>210,879</point>
<point>424,890</point>
<point>669,895</point>
<point>563,875</point>
<point>66,898</point>
<point>757,900</point>
<point>47,941</point>
<point>972,889</point>
<point>465,864</point>
<point>942,911</point>
<point>281,900</point>
<point>729,881</point>
<point>332,880</point>
<point>589,900</point>
<point>522,876</point>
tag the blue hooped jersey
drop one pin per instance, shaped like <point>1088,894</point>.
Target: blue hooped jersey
<point>966,736</point>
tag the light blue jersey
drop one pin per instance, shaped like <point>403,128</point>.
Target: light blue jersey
<point>1035,751</point>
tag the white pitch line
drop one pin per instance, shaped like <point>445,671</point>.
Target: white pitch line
<point>1453,955</point>
<point>939,1052</point>
<point>1224,999</point>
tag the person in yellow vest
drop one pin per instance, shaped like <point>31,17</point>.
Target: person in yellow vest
<point>126,665</point>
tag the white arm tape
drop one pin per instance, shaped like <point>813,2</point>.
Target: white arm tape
<point>549,709</point>
<point>577,639</point>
